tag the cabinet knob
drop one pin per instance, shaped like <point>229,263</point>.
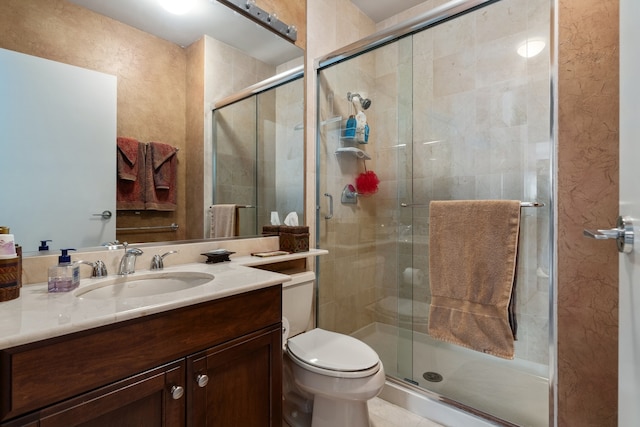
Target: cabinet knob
<point>202,380</point>
<point>177,392</point>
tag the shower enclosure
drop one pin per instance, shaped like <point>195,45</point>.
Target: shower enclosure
<point>460,108</point>
<point>258,151</point>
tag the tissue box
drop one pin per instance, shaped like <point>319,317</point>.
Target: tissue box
<point>294,238</point>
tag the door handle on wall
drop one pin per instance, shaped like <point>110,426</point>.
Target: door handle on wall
<point>623,234</point>
<point>104,214</point>
<point>330,206</point>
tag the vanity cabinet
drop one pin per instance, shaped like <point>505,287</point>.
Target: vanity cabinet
<point>243,377</point>
<point>217,363</point>
<point>144,400</point>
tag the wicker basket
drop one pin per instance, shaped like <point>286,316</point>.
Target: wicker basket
<point>11,276</point>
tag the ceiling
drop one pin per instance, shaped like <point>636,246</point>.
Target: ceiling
<point>207,17</point>
<point>379,10</point>
<point>220,22</point>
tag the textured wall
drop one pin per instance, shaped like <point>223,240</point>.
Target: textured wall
<point>194,138</point>
<point>587,198</point>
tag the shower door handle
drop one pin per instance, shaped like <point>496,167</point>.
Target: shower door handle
<point>330,206</point>
<point>623,234</point>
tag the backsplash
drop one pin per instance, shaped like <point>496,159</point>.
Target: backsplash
<point>34,269</point>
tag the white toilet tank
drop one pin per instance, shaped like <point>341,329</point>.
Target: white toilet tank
<point>297,302</point>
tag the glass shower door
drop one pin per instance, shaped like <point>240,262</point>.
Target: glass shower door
<point>457,112</point>
<point>481,126</point>
<point>368,236</point>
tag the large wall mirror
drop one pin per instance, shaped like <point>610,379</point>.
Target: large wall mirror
<point>170,71</point>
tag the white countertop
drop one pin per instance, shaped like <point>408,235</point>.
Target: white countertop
<point>38,314</point>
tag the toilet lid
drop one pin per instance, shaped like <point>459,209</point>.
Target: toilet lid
<point>333,351</point>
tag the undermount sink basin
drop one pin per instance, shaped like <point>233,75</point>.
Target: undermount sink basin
<point>143,285</point>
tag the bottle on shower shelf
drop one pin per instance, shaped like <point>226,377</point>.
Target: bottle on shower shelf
<point>350,130</point>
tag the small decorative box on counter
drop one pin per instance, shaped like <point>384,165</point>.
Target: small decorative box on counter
<point>294,238</point>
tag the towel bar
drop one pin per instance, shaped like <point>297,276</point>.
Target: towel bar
<point>531,204</point>
<point>173,227</point>
<point>426,205</point>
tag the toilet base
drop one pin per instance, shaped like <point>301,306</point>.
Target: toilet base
<point>333,413</point>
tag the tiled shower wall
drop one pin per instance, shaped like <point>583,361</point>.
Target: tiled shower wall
<point>352,271</point>
<point>289,151</point>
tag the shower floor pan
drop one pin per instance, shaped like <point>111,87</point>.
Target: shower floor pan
<point>512,390</point>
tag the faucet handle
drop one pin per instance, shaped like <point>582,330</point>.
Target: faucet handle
<point>99,268</point>
<point>157,262</point>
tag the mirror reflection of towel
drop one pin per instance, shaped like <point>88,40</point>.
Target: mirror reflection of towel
<point>130,187</point>
<point>128,150</point>
<point>223,220</point>
<point>163,159</point>
<point>160,176</point>
<point>473,247</point>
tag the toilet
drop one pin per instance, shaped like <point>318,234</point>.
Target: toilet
<point>328,377</point>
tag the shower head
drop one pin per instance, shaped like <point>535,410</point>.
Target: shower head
<point>364,102</point>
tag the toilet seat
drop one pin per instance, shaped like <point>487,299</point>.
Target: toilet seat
<point>333,354</point>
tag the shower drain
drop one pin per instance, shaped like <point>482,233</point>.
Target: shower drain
<point>433,377</point>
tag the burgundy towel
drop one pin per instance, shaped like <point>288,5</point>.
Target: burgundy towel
<point>130,191</point>
<point>164,163</point>
<point>127,158</point>
<point>160,177</point>
<point>473,247</point>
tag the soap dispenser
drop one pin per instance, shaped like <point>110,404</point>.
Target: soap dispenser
<point>65,276</point>
<point>43,245</point>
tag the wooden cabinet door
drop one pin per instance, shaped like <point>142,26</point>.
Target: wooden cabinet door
<point>244,385</point>
<point>145,400</point>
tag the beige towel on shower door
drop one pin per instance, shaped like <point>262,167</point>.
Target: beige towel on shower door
<point>223,220</point>
<point>473,246</point>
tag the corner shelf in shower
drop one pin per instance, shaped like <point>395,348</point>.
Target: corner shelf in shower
<point>356,152</point>
<point>335,119</point>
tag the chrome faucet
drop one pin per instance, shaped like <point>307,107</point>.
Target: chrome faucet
<point>128,261</point>
<point>99,269</point>
<point>157,260</point>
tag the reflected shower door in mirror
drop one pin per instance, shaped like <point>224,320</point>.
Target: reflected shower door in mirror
<point>258,156</point>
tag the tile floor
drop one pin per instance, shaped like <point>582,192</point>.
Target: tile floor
<point>385,414</point>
